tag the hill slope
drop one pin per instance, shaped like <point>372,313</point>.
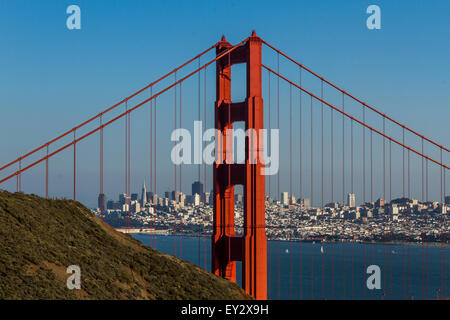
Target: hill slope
<point>40,238</point>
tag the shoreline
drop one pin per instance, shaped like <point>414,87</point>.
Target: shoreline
<point>147,231</point>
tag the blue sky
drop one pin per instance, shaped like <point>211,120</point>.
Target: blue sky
<point>53,78</point>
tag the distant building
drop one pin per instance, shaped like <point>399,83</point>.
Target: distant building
<point>447,200</point>
<point>211,198</point>
<point>351,200</point>
<point>182,199</point>
<point>292,200</point>
<point>393,209</point>
<point>206,197</point>
<point>238,198</point>
<point>196,199</point>
<point>285,198</point>
<point>143,195</point>
<point>135,206</point>
<point>123,198</point>
<point>102,202</point>
<point>197,187</point>
<point>110,205</point>
<point>134,197</point>
<point>306,203</point>
<point>380,203</point>
<point>175,196</point>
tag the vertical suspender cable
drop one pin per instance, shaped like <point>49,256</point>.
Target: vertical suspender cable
<point>364,184</point>
<point>181,188</point>
<point>390,228</point>
<point>321,130</point>
<point>126,163</point>
<point>290,191</point>
<point>371,189</point>
<point>154,155</point>
<point>443,230</point>
<point>46,174</point>
<point>301,185</point>
<point>353,192</point>
<point>384,198</point>
<point>312,200</point>
<point>175,214</point>
<point>74,164</point>
<point>204,168</point>
<point>343,191</point>
<point>102,197</point>
<point>332,200</point>
<point>278,175</point>
<point>426,223</point>
<point>269,280</point>
<point>200,143</point>
<point>152,235</point>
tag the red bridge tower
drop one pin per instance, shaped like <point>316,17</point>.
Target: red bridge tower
<point>227,248</point>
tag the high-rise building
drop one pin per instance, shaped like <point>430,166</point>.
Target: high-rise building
<point>144,195</point>
<point>123,198</point>
<point>393,208</point>
<point>447,200</point>
<point>206,197</point>
<point>175,196</point>
<point>306,203</point>
<point>150,197</point>
<point>285,198</point>
<point>380,203</point>
<point>182,199</point>
<point>292,199</point>
<point>102,202</point>
<point>135,206</point>
<point>351,200</point>
<point>134,197</point>
<point>196,199</point>
<point>197,187</point>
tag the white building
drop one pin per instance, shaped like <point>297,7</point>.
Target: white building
<point>285,198</point>
<point>351,200</point>
<point>196,199</point>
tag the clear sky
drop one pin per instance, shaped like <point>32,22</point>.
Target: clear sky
<point>52,78</point>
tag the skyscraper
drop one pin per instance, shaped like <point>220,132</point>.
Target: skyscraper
<point>102,202</point>
<point>285,198</point>
<point>197,187</point>
<point>144,195</point>
<point>351,200</point>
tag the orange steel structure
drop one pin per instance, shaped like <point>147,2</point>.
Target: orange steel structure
<point>251,248</point>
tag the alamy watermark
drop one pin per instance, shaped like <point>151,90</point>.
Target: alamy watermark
<point>74,20</point>
<point>374,20</point>
<point>74,280</point>
<point>374,280</point>
<point>191,151</point>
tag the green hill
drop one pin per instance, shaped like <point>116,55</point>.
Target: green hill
<point>40,238</point>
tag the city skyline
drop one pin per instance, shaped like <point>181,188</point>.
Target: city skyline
<point>285,198</point>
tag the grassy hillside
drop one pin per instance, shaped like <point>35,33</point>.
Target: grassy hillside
<point>40,238</point>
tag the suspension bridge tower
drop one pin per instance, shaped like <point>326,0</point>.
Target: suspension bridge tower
<point>251,248</point>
